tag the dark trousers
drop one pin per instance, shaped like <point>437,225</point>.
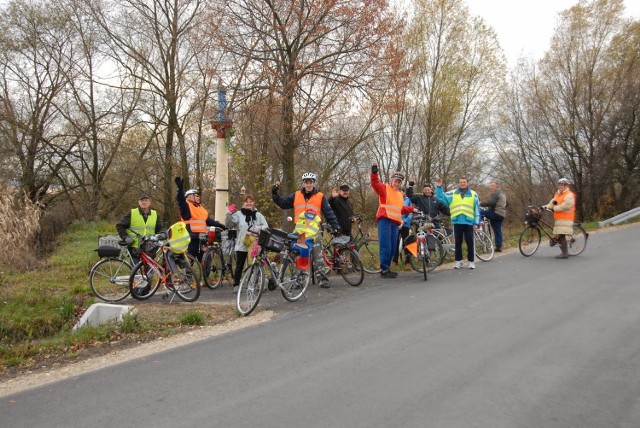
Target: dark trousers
<point>460,232</point>
<point>496,224</point>
<point>194,246</point>
<point>404,232</point>
<point>241,258</point>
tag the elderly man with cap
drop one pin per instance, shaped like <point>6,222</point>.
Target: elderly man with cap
<point>342,207</point>
<point>139,221</point>
<point>389,216</point>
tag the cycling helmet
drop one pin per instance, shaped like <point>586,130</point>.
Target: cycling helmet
<point>309,176</point>
<point>564,181</point>
<point>397,176</point>
<point>191,192</point>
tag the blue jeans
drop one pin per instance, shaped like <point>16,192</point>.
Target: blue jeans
<point>460,232</point>
<point>388,240</point>
<point>496,224</point>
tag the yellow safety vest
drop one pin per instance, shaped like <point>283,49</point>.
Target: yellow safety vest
<point>308,223</point>
<point>464,206</point>
<point>179,238</point>
<point>138,225</point>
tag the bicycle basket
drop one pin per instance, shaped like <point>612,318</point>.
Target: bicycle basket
<point>272,239</point>
<point>532,216</point>
<point>230,234</point>
<point>109,241</point>
<point>108,251</point>
<point>150,248</point>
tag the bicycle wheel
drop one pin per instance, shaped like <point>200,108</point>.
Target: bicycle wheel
<point>436,252</point>
<point>185,281</point>
<point>196,266</point>
<point>350,266</point>
<point>529,242</point>
<point>423,254</point>
<point>143,282</point>
<point>250,289</point>
<point>109,279</point>
<point>212,268</point>
<point>483,246</point>
<point>369,253</point>
<point>577,241</point>
<point>293,281</point>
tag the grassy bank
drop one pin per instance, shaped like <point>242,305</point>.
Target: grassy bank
<point>39,308</point>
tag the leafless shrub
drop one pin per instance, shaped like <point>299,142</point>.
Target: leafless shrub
<point>19,228</point>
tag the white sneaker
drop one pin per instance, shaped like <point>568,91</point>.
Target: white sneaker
<point>472,265</point>
<point>458,265</point>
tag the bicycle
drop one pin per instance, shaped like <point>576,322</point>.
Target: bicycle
<point>485,226</point>
<point>217,260</point>
<point>429,251</point>
<point>482,242</point>
<point>340,255</point>
<point>531,235</point>
<point>109,277</point>
<point>160,265</point>
<point>292,281</point>
<point>368,249</point>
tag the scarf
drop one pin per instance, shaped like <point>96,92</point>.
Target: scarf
<point>249,215</point>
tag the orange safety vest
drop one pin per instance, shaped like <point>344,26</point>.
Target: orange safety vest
<point>392,207</point>
<point>564,215</point>
<point>198,221</point>
<point>301,206</point>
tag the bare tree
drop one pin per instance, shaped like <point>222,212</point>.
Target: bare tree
<point>311,56</point>
<point>36,56</point>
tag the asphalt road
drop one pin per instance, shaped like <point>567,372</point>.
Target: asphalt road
<point>518,342</point>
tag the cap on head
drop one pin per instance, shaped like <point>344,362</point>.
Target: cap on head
<point>564,181</point>
<point>344,187</point>
<point>309,176</point>
<point>191,192</point>
<point>144,196</point>
<point>397,176</point>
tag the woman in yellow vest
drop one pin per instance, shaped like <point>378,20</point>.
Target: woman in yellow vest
<point>391,207</point>
<point>563,206</point>
<point>465,217</point>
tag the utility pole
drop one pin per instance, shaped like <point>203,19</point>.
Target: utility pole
<point>221,124</point>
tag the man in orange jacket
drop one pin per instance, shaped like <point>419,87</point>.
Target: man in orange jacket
<point>309,199</point>
<point>389,216</point>
<point>194,215</point>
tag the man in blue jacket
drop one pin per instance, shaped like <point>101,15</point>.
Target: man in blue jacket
<point>465,216</point>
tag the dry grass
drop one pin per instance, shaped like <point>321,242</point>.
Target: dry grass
<point>19,228</point>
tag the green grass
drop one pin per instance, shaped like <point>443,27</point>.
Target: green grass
<point>39,308</point>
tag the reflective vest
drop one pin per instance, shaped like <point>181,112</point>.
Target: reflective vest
<point>392,207</point>
<point>139,226</point>
<point>198,221</point>
<point>463,206</point>
<point>179,238</point>
<point>565,215</point>
<point>301,206</point>
<point>308,223</point>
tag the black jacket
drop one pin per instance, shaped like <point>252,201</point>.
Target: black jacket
<point>427,204</point>
<point>287,203</point>
<point>344,211</point>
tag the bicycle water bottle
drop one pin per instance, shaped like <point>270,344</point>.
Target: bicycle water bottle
<point>274,268</point>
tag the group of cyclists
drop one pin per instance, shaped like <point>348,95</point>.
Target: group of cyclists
<point>394,205</point>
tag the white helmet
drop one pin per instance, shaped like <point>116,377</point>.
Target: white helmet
<point>564,181</point>
<point>191,192</point>
<point>309,176</point>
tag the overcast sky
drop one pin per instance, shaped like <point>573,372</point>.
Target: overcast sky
<point>525,27</point>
